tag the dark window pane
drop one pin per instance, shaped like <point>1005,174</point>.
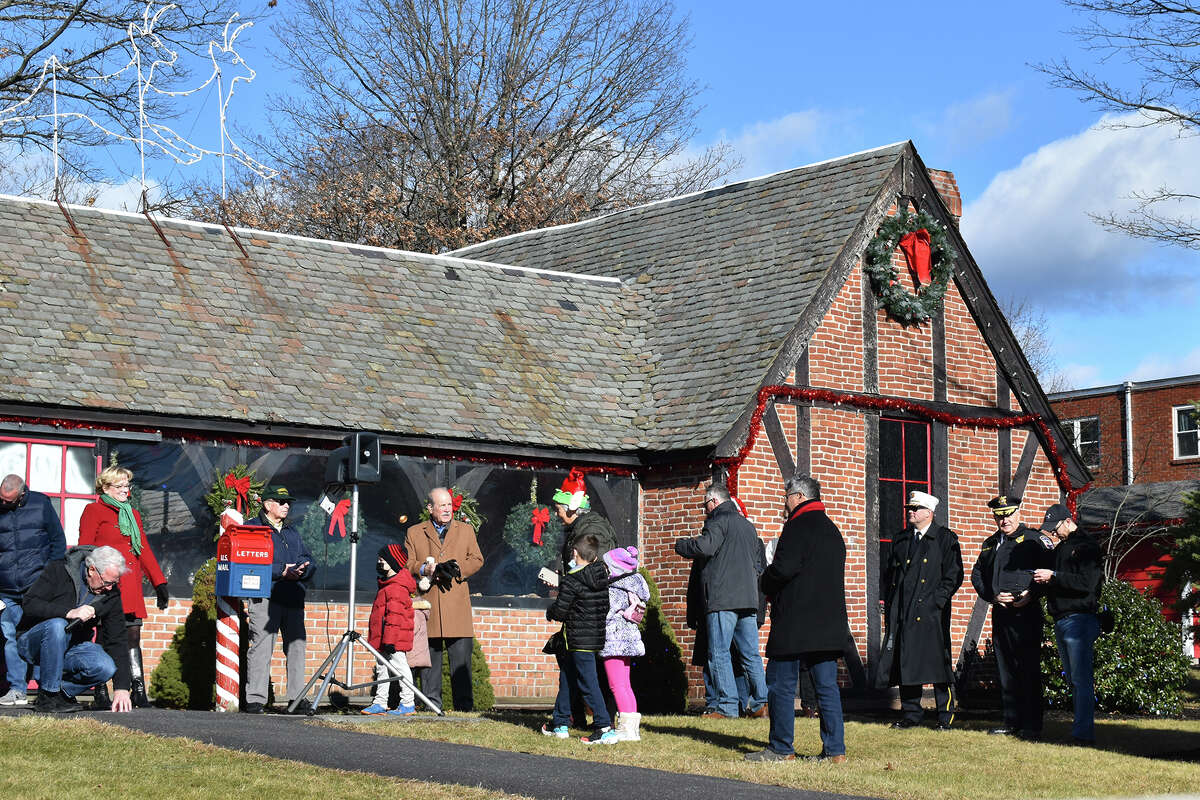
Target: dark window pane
<point>1186,419</point>
<point>1189,445</point>
<point>1089,430</point>
<point>890,438</point>
<point>1069,431</point>
<point>891,508</point>
<point>916,451</point>
<point>1090,452</point>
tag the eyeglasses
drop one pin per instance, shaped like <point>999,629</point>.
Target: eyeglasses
<point>119,486</point>
<point>103,583</point>
<point>281,502</point>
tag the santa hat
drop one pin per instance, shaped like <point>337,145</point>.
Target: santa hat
<point>395,556</point>
<point>573,493</point>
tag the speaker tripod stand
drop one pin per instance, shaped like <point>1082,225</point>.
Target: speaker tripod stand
<point>325,672</point>
<point>329,666</point>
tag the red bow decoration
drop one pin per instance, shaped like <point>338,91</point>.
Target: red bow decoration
<point>338,518</point>
<point>541,516</point>
<point>917,248</point>
<point>239,485</point>
<point>456,501</point>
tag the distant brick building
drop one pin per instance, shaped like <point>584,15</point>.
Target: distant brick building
<point>725,332</point>
<point>1141,440</point>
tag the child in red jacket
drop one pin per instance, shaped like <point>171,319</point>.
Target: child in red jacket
<point>390,630</point>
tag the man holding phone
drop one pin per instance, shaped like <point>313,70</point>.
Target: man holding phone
<point>284,611</point>
<point>1003,576</point>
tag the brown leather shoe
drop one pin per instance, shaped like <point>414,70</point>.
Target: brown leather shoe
<point>714,715</point>
<point>759,712</point>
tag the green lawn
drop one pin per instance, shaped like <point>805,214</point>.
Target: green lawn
<point>45,758</point>
<point>1138,756</point>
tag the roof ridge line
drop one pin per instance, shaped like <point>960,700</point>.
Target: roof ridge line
<point>435,257</point>
<point>723,188</point>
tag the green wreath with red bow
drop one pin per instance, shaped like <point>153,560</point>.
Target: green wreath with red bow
<point>930,256</point>
<point>237,489</point>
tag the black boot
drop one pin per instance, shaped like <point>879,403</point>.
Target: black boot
<point>137,694</point>
<point>101,701</point>
<point>137,688</point>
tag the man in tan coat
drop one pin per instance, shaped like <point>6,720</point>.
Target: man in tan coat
<point>443,538</point>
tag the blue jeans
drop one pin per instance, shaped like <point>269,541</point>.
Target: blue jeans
<point>1076,635</point>
<point>71,668</point>
<point>783,676</point>
<point>16,668</point>
<point>740,629</point>
<point>578,668</point>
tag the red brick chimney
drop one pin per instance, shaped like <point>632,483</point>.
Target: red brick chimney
<point>947,186</point>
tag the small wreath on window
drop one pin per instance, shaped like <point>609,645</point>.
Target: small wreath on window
<point>904,230</point>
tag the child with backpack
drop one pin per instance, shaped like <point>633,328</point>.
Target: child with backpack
<point>628,595</point>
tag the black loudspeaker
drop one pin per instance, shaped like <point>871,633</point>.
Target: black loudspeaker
<point>356,461</point>
<point>363,465</point>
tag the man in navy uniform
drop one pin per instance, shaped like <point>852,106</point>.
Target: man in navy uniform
<point>1003,576</point>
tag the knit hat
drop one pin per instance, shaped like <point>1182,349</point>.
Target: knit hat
<point>395,556</point>
<point>573,493</point>
<point>621,559</point>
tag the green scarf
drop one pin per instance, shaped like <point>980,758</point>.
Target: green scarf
<point>127,523</point>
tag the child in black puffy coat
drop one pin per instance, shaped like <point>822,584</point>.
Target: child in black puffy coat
<point>581,605</point>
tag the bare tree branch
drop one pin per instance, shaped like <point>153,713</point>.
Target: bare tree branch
<point>1162,40</point>
<point>469,119</point>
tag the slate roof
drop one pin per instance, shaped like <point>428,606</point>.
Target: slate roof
<point>310,333</point>
<point>316,333</point>
<point>1144,504</point>
<point>725,276</point>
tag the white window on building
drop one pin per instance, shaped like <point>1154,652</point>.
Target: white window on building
<point>1084,434</point>
<point>1187,432</point>
<point>64,471</point>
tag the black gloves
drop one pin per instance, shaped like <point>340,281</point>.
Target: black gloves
<point>446,572</point>
<point>387,649</point>
<point>163,596</point>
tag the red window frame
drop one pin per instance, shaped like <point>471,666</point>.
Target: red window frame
<point>62,494</point>
<point>906,484</point>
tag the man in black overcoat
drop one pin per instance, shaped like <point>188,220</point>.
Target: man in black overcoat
<point>923,572</point>
<point>1003,576</point>
<point>805,584</point>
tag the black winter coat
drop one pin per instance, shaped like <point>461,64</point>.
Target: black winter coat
<point>289,548</point>
<point>592,523</point>
<point>805,585</point>
<point>1078,573</point>
<point>582,606</point>
<point>57,591</point>
<point>1027,554</point>
<point>732,555</point>
<point>919,580</point>
<point>31,536</point>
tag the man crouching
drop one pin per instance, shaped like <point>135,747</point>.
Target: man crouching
<point>70,599</point>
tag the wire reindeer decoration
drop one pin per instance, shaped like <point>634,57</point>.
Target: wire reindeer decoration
<point>148,54</point>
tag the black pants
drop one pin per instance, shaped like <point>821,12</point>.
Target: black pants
<point>910,702</point>
<point>459,652</point>
<point>1018,637</point>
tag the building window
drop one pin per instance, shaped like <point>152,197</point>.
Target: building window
<point>1084,435</point>
<point>63,471</point>
<point>903,467</point>
<point>1187,432</point>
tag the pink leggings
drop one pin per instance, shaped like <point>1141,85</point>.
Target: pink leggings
<point>617,670</point>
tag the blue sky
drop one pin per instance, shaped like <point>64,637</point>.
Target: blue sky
<point>789,83</point>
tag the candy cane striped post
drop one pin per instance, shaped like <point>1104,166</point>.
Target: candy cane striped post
<point>228,636</point>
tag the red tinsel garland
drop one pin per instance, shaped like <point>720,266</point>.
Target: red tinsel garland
<point>769,393</point>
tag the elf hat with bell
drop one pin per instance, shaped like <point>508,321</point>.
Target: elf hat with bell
<point>573,493</point>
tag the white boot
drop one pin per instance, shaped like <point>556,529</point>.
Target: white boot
<point>628,727</point>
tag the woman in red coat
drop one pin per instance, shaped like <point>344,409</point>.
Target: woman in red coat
<point>112,521</point>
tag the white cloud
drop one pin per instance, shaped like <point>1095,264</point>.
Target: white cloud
<point>792,140</point>
<point>1077,376</point>
<point>1158,365</point>
<point>1031,233</point>
<point>967,125</point>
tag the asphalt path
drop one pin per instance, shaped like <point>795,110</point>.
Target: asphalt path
<point>543,777</point>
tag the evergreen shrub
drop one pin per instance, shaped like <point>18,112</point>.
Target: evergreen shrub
<point>1140,667</point>
<point>659,678</point>
<point>186,674</point>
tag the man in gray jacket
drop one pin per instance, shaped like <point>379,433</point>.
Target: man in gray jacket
<point>729,578</point>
